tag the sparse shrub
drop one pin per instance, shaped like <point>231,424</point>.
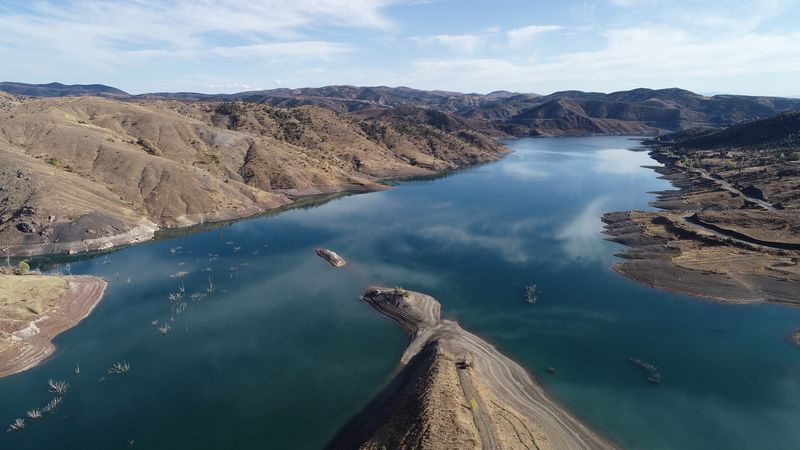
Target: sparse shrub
<point>23,268</point>
<point>402,292</point>
<point>148,147</point>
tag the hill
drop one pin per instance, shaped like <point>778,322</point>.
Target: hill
<point>82,173</point>
<point>639,111</point>
<point>778,133</point>
<point>60,90</point>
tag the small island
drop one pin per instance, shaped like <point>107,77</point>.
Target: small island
<point>35,308</point>
<point>455,390</point>
<point>334,259</point>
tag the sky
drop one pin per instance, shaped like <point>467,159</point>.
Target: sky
<point>724,46</point>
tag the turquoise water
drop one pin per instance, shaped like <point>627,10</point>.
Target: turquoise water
<point>282,354</point>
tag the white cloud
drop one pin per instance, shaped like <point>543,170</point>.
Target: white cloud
<point>525,35</point>
<point>295,50</point>
<point>110,34</point>
<point>632,57</point>
<point>460,43</point>
<point>233,87</point>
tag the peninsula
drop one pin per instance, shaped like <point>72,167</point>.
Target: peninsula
<point>731,231</point>
<point>36,308</point>
<point>455,390</point>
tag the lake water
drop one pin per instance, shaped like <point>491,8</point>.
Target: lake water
<point>282,354</point>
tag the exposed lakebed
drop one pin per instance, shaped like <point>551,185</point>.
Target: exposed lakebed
<point>281,354</point>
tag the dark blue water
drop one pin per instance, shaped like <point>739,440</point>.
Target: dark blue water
<point>281,354</point>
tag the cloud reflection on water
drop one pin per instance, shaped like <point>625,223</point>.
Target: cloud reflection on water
<point>580,236</point>
<point>623,162</point>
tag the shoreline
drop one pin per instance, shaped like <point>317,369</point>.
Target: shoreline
<point>677,249</point>
<point>455,390</point>
<point>32,345</point>
<point>148,230</point>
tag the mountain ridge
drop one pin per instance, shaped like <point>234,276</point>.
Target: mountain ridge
<point>640,111</point>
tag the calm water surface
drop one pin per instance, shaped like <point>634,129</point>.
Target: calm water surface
<point>282,353</point>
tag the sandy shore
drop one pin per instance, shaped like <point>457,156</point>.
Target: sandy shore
<point>455,390</point>
<point>31,343</point>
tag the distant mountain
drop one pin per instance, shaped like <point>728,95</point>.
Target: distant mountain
<point>638,111</point>
<point>500,113</point>
<point>61,90</point>
<point>781,132</point>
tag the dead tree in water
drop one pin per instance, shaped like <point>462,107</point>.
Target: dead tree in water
<point>52,405</point>
<point>119,368</point>
<point>58,387</point>
<point>531,294</point>
<point>18,424</point>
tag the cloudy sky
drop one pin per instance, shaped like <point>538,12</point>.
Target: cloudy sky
<point>723,46</point>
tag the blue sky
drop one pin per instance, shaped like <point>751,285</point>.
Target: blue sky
<point>744,47</point>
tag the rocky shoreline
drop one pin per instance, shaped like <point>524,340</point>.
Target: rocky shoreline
<point>30,343</point>
<point>455,390</point>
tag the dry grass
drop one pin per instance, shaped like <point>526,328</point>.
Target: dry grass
<point>26,297</point>
<point>115,165</point>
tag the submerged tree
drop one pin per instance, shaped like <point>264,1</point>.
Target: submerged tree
<point>58,387</point>
<point>18,424</point>
<point>119,368</point>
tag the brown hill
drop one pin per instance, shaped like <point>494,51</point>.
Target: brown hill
<point>88,173</point>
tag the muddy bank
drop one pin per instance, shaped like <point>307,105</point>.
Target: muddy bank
<point>455,390</point>
<point>28,343</point>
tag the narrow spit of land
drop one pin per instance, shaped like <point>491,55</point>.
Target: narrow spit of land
<point>455,390</point>
<point>36,308</point>
<point>332,257</point>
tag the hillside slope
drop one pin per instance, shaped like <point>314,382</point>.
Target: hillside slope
<point>83,173</point>
<point>778,133</point>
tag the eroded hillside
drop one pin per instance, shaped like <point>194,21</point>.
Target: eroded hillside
<point>85,173</point>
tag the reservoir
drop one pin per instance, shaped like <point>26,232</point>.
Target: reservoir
<point>269,346</point>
